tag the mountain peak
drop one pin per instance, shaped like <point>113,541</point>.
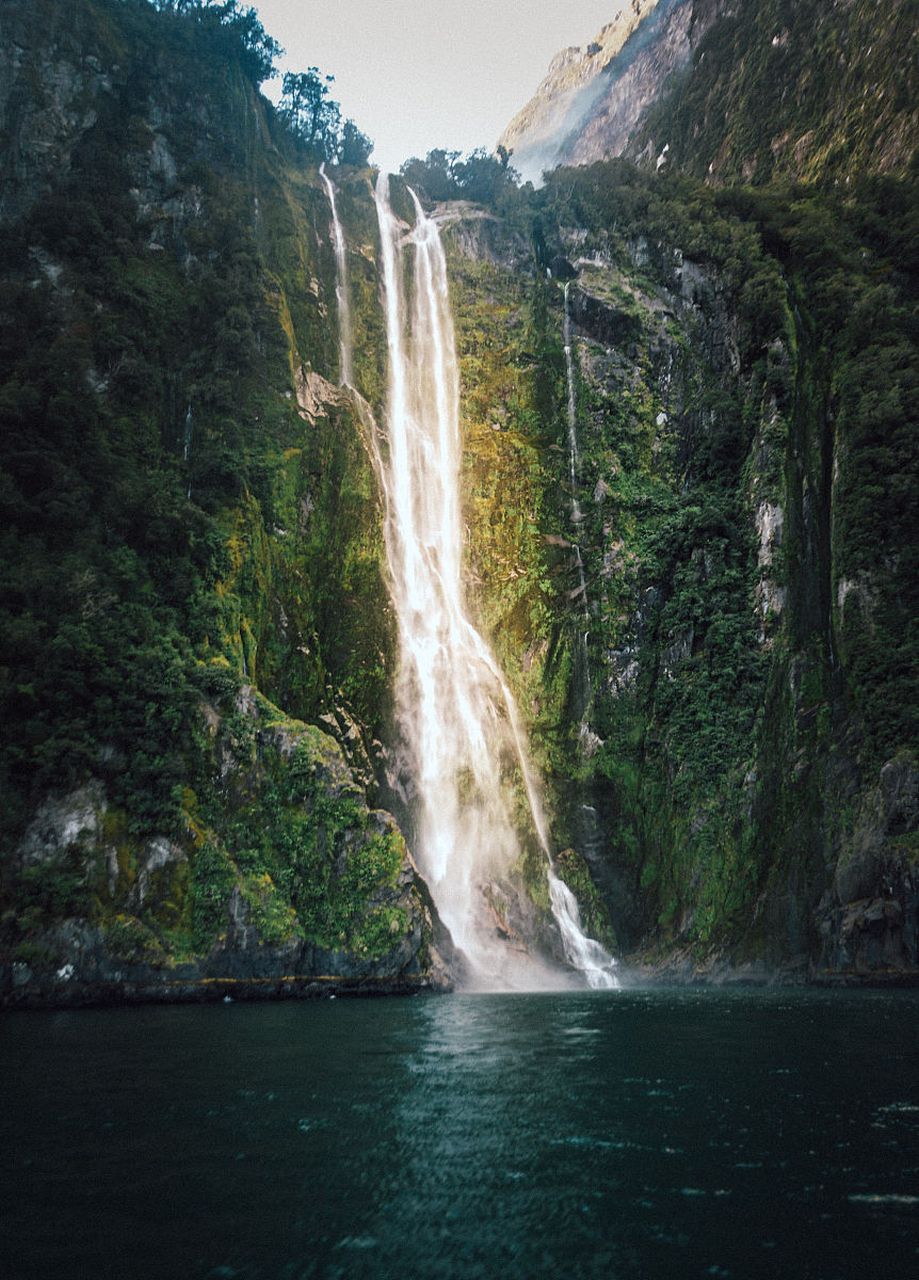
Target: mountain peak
<point>733,92</point>
<point>567,89</point>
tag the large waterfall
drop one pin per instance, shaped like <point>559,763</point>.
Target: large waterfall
<point>472,784</point>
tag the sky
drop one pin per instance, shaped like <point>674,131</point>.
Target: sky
<point>419,74</point>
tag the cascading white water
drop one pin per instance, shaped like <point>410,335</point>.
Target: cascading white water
<point>577,518</point>
<point>573,453</point>
<point>345,340</point>
<point>458,719</point>
<point>187,432</point>
<point>574,457</point>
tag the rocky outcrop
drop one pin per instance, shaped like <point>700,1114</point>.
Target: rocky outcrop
<point>607,324</point>
<point>62,823</point>
<point>869,917</point>
<point>480,236</point>
<point>200,913</point>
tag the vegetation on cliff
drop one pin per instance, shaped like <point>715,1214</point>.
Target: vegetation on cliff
<point>188,509</point>
<point>191,540</point>
<point>745,437</point>
<point>735,93</point>
<point>792,89</point>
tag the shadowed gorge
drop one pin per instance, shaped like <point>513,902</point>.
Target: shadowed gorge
<point>446,580</point>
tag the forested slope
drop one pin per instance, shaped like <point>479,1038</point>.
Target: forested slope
<point>735,92</point>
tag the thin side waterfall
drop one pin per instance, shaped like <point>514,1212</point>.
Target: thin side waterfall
<point>577,519</point>
<point>345,340</point>
<point>574,456</point>
<point>187,432</point>
<point>460,726</point>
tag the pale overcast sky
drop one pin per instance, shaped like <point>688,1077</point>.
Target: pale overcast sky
<point>418,74</point>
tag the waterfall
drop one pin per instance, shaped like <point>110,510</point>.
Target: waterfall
<point>345,340</point>
<point>574,458</point>
<point>186,443</point>
<point>577,519</point>
<point>460,727</point>
<point>187,433</point>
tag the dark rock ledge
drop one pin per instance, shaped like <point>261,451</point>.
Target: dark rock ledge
<point>87,995</point>
<point>681,968</point>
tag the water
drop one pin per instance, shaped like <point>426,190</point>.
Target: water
<point>342,294</point>
<point>635,1134</point>
<point>574,455</point>
<point>588,739</point>
<point>462,740</point>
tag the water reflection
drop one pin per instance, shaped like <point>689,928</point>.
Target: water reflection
<point>633,1134</point>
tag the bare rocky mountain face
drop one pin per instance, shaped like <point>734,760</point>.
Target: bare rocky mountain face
<point>575,85</point>
<point>732,91</point>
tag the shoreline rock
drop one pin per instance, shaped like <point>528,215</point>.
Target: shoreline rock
<point>94,995</point>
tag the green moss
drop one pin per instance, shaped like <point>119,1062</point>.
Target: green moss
<point>212,882</point>
<point>268,912</point>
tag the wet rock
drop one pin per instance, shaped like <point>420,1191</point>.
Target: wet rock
<point>61,822</point>
<point>562,269</point>
<point>160,861</point>
<point>871,929</point>
<point>869,918</point>
<point>475,234</point>
<point>605,323</point>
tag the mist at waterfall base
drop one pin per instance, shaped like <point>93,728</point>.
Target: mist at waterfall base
<point>463,750</point>
<point>644,1135</point>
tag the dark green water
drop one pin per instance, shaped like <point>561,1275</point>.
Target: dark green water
<point>632,1134</point>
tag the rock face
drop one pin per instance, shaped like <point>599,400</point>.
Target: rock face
<point>743,801</point>
<point>482,237</point>
<point>869,917</point>
<point>49,96</point>
<point>574,85</point>
<point>733,92</point>
<point>330,900</point>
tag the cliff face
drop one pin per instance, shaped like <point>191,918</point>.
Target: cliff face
<point>191,535</point>
<point>715,654</point>
<point>738,92</point>
<point>750,792</point>
<point>575,83</point>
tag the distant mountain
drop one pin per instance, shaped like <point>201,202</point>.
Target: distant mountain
<point>575,84</point>
<point>734,92</point>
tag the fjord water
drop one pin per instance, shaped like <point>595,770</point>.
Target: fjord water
<point>630,1134</point>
